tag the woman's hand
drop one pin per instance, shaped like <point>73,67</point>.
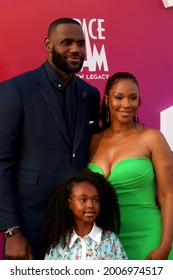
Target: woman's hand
<point>161,253</point>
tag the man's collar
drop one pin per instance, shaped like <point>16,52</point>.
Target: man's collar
<point>55,77</point>
<point>94,234</point>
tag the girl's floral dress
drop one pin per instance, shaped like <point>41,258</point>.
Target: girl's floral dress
<point>98,245</point>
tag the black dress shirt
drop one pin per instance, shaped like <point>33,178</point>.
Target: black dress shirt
<point>66,94</point>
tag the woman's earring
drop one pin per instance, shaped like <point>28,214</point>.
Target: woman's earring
<point>107,111</point>
<point>136,118</point>
<point>107,115</point>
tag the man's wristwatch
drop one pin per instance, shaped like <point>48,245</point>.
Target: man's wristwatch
<point>11,231</point>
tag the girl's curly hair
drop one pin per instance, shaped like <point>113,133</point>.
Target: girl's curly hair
<point>58,224</point>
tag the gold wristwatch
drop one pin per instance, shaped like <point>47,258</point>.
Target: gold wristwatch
<point>11,231</point>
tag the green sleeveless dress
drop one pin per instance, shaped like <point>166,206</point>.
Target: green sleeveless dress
<point>133,180</point>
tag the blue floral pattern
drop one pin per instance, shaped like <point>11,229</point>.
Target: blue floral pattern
<point>110,248</point>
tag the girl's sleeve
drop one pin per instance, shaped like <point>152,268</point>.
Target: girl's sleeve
<point>120,253</point>
<point>56,253</point>
<point>50,255</point>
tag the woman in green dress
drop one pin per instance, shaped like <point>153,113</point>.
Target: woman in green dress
<point>138,162</point>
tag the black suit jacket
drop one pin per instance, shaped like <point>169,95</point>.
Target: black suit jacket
<point>35,150</point>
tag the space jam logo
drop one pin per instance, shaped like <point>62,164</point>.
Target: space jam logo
<point>96,60</point>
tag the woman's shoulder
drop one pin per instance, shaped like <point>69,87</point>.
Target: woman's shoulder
<point>94,142</point>
<point>153,138</point>
<point>97,136</point>
<point>152,133</point>
<point>148,131</point>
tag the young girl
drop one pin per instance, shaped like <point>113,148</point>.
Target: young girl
<point>80,219</point>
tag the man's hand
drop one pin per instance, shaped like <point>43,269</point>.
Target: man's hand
<point>17,248</point>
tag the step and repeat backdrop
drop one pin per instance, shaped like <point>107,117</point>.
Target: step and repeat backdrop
<point>134,36</point>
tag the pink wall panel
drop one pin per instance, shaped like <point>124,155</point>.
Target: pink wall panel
<point>138,38</point>
<point>134,36</point>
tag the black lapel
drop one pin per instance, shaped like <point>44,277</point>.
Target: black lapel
<point>80,118</point>
<point>52,102</point>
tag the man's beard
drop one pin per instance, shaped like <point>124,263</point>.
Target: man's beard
<point>60,62</point>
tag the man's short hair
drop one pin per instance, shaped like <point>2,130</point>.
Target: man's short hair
<point>61,21</point>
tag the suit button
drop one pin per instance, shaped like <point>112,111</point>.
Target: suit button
<point>74,155</point>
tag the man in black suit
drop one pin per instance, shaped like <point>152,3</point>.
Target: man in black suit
<point>47,118</point>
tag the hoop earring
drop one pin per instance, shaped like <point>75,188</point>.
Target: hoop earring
<point>107,110</point>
